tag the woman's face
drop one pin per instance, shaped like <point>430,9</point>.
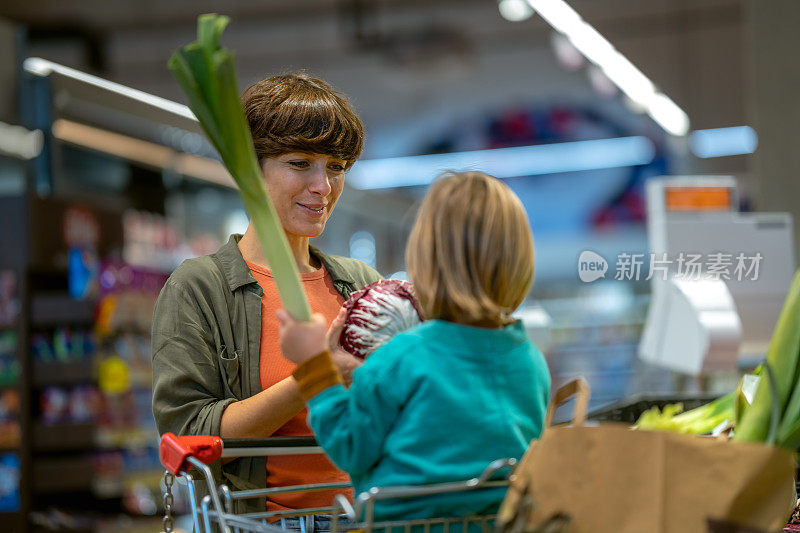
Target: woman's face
<point>304,189</point>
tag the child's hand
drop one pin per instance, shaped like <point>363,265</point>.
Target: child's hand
<point>345,361</point>
<point>301,341</point>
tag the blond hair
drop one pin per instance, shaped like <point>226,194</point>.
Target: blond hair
<point>470,252</point>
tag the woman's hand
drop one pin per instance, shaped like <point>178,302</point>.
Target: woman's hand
<point>344,360</point>
<point>301,341</point>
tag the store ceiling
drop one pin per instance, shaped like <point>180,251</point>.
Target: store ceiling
<point>111,34</point>
<point>113,15</point>
<point>404,59</point>
<point>413,68</point>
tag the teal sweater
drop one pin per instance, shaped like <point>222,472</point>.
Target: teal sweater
<point>437,403</point>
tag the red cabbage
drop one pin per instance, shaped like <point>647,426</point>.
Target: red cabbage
<point>376,313</point>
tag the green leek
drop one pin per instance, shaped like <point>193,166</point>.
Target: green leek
<point>206,73</point>
<point>782,390</point>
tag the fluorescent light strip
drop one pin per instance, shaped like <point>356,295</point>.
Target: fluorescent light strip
<point>140,151</point>
<point>111,143</point>
<point>614,65</point>
<point>720,142</point>
<point>43,68</point>
<point>504,162</point>
<point>203,168</point>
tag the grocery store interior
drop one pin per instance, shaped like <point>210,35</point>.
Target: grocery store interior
<point>666,127</point>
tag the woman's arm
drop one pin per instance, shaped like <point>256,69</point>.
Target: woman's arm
<point>261,415</point>
<point>189,397</point>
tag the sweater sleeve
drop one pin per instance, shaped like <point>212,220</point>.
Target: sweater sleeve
<point>351,424</point>
<point>316,375</point>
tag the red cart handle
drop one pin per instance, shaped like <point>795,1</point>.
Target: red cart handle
<point>174,450</point>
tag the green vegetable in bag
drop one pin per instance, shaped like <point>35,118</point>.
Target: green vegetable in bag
<point>782,389</point>
<point>697,421</point>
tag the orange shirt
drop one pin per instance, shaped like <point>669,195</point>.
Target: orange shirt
<point>286,470</point>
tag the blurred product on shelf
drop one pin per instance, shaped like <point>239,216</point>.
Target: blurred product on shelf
<point>63,345</point>
<point>9,300</point>
<point>128,298</point>
<point>93,429</point>
<point>150,240</point>
<point>154,242</point>
<point>53,403</point>
<point>82,268</point>
<point>9,419</point>
<point>80,404</point>
<point>9,482</point>
<point>81,235</point>
<point>9,364</point>
<point>140,500</point>
<point>124,427</point>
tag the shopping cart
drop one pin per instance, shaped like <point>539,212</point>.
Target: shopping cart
<point>214,511</point>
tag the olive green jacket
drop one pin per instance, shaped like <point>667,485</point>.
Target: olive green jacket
<point>206,338</point>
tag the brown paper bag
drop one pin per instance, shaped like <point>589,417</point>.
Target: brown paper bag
<point>613,479</point>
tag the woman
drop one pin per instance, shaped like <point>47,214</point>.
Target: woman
<point>217,365</point>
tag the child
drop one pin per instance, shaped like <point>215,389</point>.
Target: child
<point>440,401</point>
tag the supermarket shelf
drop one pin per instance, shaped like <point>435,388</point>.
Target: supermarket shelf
<point>42,529</point>
<point>11,521</point>
<point>87,436</point>
<point>67,474</point>
<point>53,519</point>
<point>108,487</point>
<point>133,438</point>
<point>63,437</point>
<point>149,478</point>
<point>60,310</point>
<point>64,373</point>
<point>116,487</point>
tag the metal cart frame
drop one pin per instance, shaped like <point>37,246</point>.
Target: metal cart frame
<point>214,512</point>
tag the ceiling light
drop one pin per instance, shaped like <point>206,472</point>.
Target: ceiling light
<point>597,49</point>
<point>43,68</point>
<point>515,10</point>
<point>504,162</point>
<point>668,115</point>
<point>720,142</point>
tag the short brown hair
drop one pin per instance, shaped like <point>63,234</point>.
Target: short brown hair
<point>470,252</point>
<point>299,113</point>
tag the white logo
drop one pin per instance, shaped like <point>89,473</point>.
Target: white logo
<point>591,266</point>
